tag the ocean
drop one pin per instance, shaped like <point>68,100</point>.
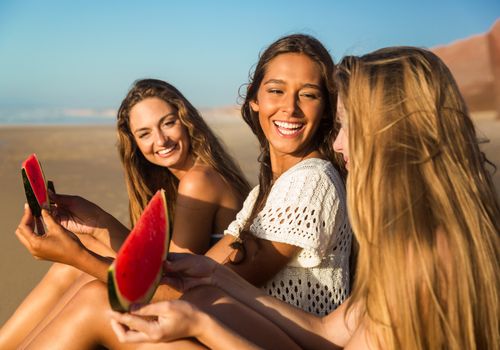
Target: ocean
<point>56,116</point>
<point>101,116</point>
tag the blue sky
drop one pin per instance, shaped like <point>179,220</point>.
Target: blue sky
<point>85,54</point>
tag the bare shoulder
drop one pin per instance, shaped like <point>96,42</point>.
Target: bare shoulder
<point>202,182</point>
<point>362,339</point>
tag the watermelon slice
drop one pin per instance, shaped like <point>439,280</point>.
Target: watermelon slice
<point>34,185</point>
<point>136,272</point>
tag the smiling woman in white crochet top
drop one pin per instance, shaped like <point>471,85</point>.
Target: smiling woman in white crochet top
<point>292,238</point>
<point>293,232</point>
<point>298,209</point>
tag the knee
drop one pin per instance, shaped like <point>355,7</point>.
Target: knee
<point>62,275</point>
<point>85,309</point>
<point>94,290</point>
<point>91,297</point>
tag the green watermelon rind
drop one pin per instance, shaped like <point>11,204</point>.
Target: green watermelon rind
<point>116,300</point>
<point>36,210</point>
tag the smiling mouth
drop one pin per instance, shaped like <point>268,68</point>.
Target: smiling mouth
<point>287,128</point>
<point>166,151</point>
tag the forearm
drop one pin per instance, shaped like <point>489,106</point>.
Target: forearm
<point>111,231</point>
<point>93,264</point>
<point>215,335</point>
<point>262,259</point>
<point>309,331</point>
<point>304,328</point>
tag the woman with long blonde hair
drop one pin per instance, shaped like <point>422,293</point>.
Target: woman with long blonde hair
<point>423,209</point>
<point>421,203</point>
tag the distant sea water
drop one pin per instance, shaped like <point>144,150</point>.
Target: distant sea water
<point>56,116</point>
<point>102,116</point>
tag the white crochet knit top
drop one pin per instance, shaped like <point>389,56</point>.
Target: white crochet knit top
<point>306,208</point>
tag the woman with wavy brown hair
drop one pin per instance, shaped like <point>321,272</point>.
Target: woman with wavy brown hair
<point>145,175</point>
<point>423,209</point>
<point>163,143</point>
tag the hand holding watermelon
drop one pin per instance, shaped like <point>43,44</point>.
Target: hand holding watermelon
<point>186,271</point>
<point>136,272</point>
<point>77,214</point>
<point>57,244</point>
<point>159,322</point>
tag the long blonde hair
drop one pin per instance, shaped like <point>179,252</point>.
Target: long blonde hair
<point>418,179</point>
<point>143,178</point>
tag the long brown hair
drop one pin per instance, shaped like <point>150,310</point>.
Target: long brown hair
<point>312,48</point>
<point>421,203</point>
<point>144,178</point>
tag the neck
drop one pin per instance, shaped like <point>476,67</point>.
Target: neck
<point>182,170</point>
<point>280,163</point>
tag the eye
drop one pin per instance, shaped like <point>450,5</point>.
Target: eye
<point>142,135</point>
<point>310,95</point>
<point>275,91</point>
<point>168,123</point>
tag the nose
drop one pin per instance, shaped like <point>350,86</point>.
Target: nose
<point>338,144</point>
<point>290,105</point>
<point>160,138</point>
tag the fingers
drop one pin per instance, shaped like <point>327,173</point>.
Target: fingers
<point>138,329</point>
<point>177,256</point>
<point>25,231</point>
<point>63,199</point>
<point>49,220</point>
<point>181,262</point>
<point>176,262</point>
<point>129,335</point>
<point>21,236</point>
<point>134,322</point>
<point>176,283</point>
<point>69,203</point>
<point>118,329</point>
<point>26,226</point>
<point>27,218</point>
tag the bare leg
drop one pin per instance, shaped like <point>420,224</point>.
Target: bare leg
<point>67,297</point>
<point>38,304</point>
<point>240,318</point>
<point>84,324</point>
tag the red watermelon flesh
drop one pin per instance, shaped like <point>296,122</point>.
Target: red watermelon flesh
<point>136,272</point>
<point>34,184</point>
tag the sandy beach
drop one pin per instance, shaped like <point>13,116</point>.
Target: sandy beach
<point>83,160</point>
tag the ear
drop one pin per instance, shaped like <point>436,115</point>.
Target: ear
<point>254,104</point>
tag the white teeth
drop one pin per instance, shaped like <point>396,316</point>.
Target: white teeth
<point>287,132</point>
<point>165,151</point>
<point>287,125</point>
